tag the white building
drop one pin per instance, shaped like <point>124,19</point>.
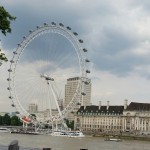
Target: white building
<point>70,89</point>
<point>134,118</point>
<point>33,108</point>
<point>99,118</point>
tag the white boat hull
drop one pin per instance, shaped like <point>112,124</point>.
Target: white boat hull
<point>4,130</point>
<point>67,133</point>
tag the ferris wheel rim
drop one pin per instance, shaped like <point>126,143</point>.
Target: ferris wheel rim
<point>21,47</point>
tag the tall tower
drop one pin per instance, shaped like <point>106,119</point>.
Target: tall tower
<point>33,108</point>
<point>70,89</point>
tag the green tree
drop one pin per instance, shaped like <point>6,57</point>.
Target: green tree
<point>3,57</point>
<point>1,120</point>
<point>6,120</point>
<point>14,121</point>
<point>70,124</point>
<point>5,21</point>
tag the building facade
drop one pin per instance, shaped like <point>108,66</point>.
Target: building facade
<point>134,117</point>
<point>33,108</point>
<point>70,89</point>
<point>99,118</point>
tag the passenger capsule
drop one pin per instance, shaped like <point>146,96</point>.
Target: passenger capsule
<point>45,24</point>
<point>85,50</point>
<point>10,97</point>
<point>68,28</point>
<point>78,103</point>
<point>87,71</point>
<point>80,40</point>
<point>61,24</point>
<point>30,31</point>
<point>13,105</point>
<point>75,33</point>
<point>8,79</point>
<point>87,60</point>
<point>53,23</point>
<point>86,82</point>
<point>83,93</point>
<point>9,70</point>
<point>12,61</point>
<point>9,88</point>
<point>15,52</point>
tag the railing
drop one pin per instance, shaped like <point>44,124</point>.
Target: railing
<point>15,146</point>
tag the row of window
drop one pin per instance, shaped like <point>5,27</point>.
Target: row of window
<point>101,127</point>
<point>91,113</point>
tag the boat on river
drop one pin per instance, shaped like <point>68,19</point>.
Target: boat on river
<point>113,139</point>
<point>67,133</point>
<point>3,130</point>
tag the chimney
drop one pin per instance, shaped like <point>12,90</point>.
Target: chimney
<point>125,103</point>
<point>99,105</point>
<point>107,105</point>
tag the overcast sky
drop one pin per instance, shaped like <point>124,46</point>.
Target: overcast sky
<point>116,33</point>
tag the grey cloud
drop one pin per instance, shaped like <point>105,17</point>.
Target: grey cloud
<point>108,42</point>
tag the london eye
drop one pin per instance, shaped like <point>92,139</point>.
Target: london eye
<point>39,69</point>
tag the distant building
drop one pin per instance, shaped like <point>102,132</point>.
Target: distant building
<point>33,108</point>
<point>70,89</point>
<point>134,117</point>
<point>3,113</point>
<point>99,118</point>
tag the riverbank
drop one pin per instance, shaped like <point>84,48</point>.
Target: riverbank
<point>128,137</point>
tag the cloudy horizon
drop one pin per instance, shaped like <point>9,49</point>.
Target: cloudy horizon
<point>116,34</point>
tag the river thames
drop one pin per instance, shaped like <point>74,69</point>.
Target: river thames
<point>66,143</point>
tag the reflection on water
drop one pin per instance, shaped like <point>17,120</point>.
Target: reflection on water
<point>65,143</point>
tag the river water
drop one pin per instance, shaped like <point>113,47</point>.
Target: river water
<point>66,143</point>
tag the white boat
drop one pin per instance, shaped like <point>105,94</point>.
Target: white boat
<point>113,139</point>
<point>68,133</point>
<point>4,130</point>
<point>76,134</point>
<point>59,133</point>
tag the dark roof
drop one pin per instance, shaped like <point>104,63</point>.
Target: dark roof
<point>103,109</point>
<point>138,106</point>
<point>72,79</point>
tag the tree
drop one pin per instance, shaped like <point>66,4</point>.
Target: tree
<point>3,57</point>
<point>5,21</point>
<point>70,124</point>
<point>6,120</point>
<point>1,120</point>
<point>15,121</point>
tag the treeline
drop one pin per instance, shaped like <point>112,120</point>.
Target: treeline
<point>6,120</point>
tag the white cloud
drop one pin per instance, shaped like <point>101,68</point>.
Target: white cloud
<point>115,32</point>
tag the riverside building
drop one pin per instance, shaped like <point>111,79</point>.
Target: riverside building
<point>134,118</point>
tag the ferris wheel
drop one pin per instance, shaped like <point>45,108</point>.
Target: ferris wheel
<point>39,69</point>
